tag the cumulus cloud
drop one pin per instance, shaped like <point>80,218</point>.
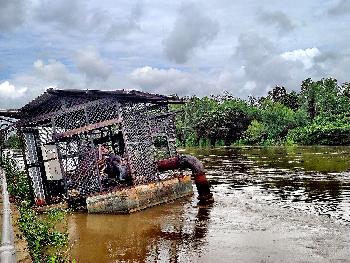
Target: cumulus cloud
<point>122,27</point>
<point>306,56</point>
<point>192,29</point>
<point>54,72</point>
<point>262,62</point>
<point>169,81</point>
<point>64,14</point>
<point>8,91</point>
<point>92,65</point>
<point>276,18</point>
<point>79,16</point>
<point>341,8</point>
<point>12,14</point>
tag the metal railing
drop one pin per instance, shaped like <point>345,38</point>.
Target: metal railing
<point>7,249</point>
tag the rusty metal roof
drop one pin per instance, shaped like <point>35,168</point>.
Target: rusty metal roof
<point>122,95</point>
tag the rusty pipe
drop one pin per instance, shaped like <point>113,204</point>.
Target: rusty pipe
<point>188,161</point>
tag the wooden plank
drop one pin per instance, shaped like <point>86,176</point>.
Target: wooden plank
<point>86,128</point>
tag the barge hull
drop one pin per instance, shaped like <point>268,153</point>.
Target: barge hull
<point>129,200</point>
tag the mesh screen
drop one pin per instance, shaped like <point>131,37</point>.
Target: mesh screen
<point>139,145</point>
<point>78,157</point>
<point>33,165</point>
<point>164,125</point>
<point>106,110</point>
<point>71,120</point>
<point>45,134</point>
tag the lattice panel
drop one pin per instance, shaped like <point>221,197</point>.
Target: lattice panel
<point>45,134</point>
<point>139,145</point>
<point>41,109</point>
<point>7,129</point>
<point>105,110</point>
<point>79,164</point>
<point>171,132</point>
<point>32,162</point>
<point>164,125</point>
<point>142,166</point>
<point>71,120</point>
<point>35,176</point>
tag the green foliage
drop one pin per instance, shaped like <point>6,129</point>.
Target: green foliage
<point>18,184</point>
<point>255,134</point>
<point>333,130</point>
<point>212,120</point>
<point>324,97</point>
<point>13,142</point>
<point>279,119</point>
<point>45,242</point>
<point>316,115</point>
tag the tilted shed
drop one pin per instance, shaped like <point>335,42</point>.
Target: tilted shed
<point>63,131</point>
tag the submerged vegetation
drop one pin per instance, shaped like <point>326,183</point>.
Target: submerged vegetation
<point>318,114</point>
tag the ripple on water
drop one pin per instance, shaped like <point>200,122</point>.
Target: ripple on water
<point>298,179</point>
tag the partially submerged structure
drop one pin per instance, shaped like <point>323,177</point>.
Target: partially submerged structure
<point>63,130</point>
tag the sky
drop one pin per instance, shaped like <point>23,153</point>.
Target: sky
<point>170,47</point>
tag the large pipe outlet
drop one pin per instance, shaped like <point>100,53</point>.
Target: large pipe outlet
<point>198,173</point>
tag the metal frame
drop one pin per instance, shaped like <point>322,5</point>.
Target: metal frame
<point>75,121</point>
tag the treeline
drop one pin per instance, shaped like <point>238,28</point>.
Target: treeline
<point>318,114</point>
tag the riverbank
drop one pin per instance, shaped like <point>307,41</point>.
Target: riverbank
<point>22,251</point>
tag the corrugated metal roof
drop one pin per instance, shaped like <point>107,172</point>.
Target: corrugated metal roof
<point>125,95</point>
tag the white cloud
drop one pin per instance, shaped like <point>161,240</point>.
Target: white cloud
<point>12,14</point>
<point>8,91</point>
<point>341,8</point>
<point>169,81</point>
<point>192,29</point>
<point>161,34</point>
<point>249,85</point>
<point>306,56</point>
<point>278,19</point>
<point>90,63</point>
<point>52,71</point>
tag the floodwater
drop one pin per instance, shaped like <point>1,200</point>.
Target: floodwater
<point>272,204</point>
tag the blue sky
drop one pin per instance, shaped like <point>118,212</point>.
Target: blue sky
<point>170,47</point>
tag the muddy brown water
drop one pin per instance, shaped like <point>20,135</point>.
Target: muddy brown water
<point>272,204</point>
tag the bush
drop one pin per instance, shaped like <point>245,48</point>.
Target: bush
<point>333,130</point>
<point>278,119</point>
<point>255,133</point>
<point>18,184</point>
<point>45,242</point>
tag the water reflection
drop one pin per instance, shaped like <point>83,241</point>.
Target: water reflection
<point>313,180</point>
<point>159,234</point>
<point>316,178</point>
